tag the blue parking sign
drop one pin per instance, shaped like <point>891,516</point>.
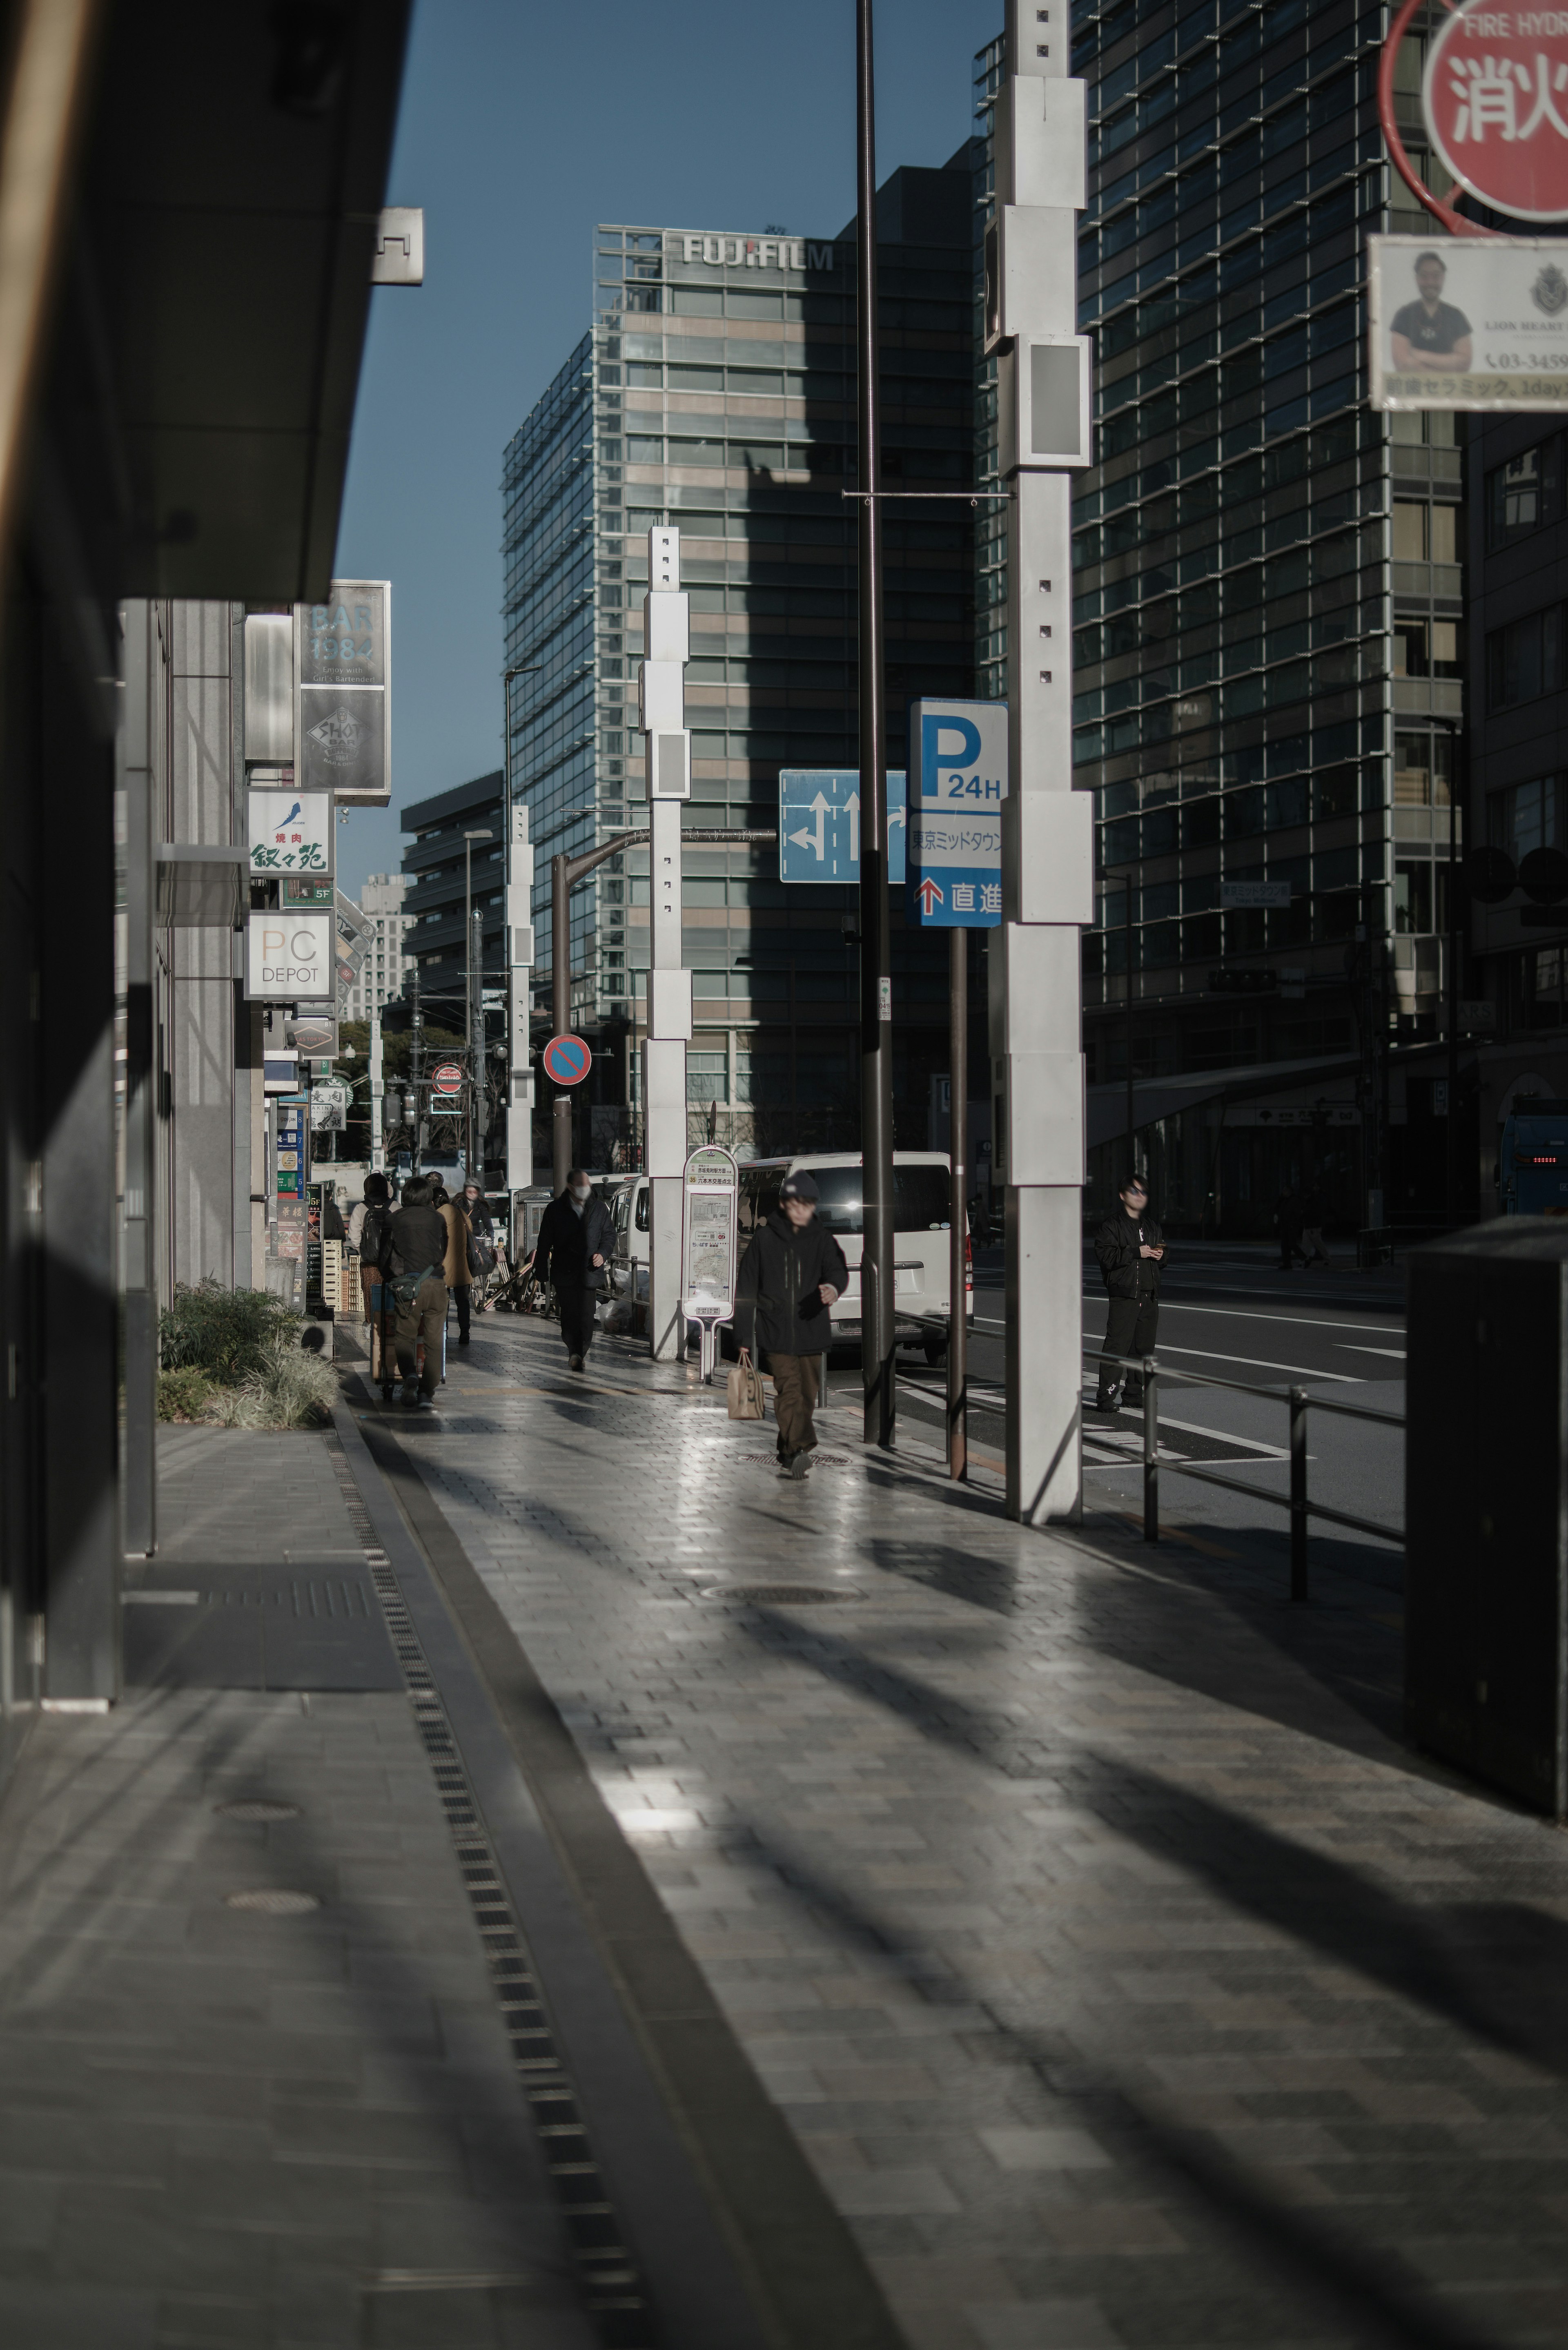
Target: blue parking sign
<point>819,824</point>
<point>957,775</point>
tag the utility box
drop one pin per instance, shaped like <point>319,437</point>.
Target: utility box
<point>1486,1506</point>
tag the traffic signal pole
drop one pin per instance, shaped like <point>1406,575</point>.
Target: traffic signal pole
<point>878,1353</point>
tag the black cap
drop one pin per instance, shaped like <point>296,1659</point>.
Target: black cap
<point>799,1186</point>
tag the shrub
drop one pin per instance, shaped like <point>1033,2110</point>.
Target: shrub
<point>183,1394</point>
<point>226,1333</point>
<point>289,1388</point>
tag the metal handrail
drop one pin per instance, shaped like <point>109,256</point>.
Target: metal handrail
<point>1302,1508</point>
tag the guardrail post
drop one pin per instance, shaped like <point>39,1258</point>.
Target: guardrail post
<point>1151,1450</point>
<point>1299,1401</point>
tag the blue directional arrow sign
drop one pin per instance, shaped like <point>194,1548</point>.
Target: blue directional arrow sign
<point>960,761</point>
<point>819,824</point>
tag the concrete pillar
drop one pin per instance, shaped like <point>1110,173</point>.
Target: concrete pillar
<point>1044,428</point>
<point>662,709</point>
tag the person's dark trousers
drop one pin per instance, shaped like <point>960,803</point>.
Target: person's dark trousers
<point>462,1297</point>
<point>794,1400</point>
<point>577,1318</point>
<point>424,1318</point>
<point>1130,1328</point>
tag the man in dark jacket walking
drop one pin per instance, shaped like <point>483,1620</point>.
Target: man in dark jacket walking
<point>789,1277</point>
<point>412,1254</point>
<point>576,1242</point>
<point>1131,1250</point>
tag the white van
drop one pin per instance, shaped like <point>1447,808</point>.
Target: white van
<point>920,1259</point>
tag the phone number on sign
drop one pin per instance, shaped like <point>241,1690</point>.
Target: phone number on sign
<point>1506,361</point>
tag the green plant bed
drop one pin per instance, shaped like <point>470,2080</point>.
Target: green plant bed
<point>232,1359</point>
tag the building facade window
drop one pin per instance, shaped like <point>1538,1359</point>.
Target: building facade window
<point>1529,816</point>
<point>1524,659</point>
<point>1524,493</point>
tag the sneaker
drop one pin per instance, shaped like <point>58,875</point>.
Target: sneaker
<point>410,1392</point>
<point>427,1403</point>
<point>799,1467</point>
<point>574,1362</point>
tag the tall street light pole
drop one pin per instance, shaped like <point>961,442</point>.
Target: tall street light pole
<point>517,960</point>
<point>878,1352</point>
<point>475,1059</point>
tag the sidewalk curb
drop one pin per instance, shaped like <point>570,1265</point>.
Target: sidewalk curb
<point>739,2242</point>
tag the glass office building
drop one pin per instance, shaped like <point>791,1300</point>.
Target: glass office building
<point>715,391</point>
<point>1267,583</point>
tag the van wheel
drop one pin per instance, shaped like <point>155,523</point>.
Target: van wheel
<point>936,1351</point>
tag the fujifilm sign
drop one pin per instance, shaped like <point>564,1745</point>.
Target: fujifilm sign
<point>757,252</point>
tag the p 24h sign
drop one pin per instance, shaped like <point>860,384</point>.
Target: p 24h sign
<point>958,781</point>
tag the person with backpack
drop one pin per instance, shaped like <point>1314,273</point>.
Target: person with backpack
<point>412,1256</point>
<point>784,1291</point>
<point>367,1233</point>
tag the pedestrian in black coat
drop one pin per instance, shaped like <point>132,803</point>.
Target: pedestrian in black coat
<point>1130,1247</point>
<point>789,1277</point>
<point>577,1240</point>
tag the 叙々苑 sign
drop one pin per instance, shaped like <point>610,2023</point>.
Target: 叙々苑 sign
<point>1479,324</point>
<point>288,956</point>
<point>709,1225</point>
<point>958,781</point>
<point>1495,98</point>
<point>290,832</point>
<point>567,1060</point>
<point>819,824</point>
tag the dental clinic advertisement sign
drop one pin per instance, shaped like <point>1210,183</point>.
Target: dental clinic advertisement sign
<point>1477,324</point>
<point>958,781</point>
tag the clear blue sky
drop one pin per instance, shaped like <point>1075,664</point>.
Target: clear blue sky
<point>522,127</point>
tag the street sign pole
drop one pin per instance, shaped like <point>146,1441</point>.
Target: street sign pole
<point>878,1352</point>
<point>662,690</point>
<point>1043,429</point>
<point>958,1205</point>
<point>560,1013</point>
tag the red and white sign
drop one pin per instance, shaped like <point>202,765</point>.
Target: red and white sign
<point>1495,96</point>
<point>447,1079</point>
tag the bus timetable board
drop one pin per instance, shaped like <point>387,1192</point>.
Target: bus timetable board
<point>708,1228</point>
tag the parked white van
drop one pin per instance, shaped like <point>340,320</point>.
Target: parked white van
<point>921,1293</point>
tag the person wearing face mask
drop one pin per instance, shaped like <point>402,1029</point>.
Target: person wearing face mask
<point>789,1278</point>
<point>575,1241</point>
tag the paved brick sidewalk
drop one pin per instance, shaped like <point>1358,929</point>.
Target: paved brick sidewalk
<point>1124,1979</point>
<point>219,2128</point>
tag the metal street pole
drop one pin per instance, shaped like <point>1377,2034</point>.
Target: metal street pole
<point>469,837</point>
<point>878,1352</point>
<point>517,961</point>
<point>378,1094</point>
<point>958,1208</point>
<point>1452,1185</point>
<point>1130,938</point>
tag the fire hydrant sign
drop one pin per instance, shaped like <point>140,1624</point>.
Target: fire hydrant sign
<point>1495,95</point>
<point>1477,324</point>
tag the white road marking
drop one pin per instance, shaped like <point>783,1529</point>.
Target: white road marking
<point>1397,1353</point>
<point>1235,1313</point>
<point>1211,1355</point>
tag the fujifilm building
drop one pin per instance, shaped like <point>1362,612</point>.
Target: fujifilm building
<point>715,391</point>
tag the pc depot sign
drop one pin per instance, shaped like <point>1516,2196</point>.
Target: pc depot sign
<point>288,957</point>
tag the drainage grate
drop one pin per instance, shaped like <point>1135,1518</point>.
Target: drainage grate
<point>256,1807</point>
<point>613,2288</point>
<point>272,1901</point>
<point>779,1595</point>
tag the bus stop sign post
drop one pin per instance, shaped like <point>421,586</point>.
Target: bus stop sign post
<point>709,1223</point>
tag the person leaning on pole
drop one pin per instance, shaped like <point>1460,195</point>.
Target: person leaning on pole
<point>1130,1247</point>
<point>789,1278</point>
